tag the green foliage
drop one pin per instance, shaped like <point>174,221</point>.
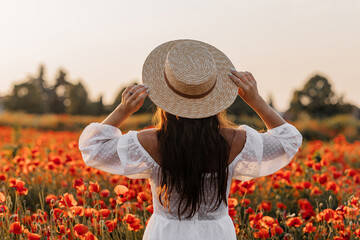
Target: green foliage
<point>78,99</point>
<point>318,100</point>
<point>240,108</point>
<point>34,96</point>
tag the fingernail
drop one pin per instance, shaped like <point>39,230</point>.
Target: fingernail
<point>146,86</point>
<point>147,90</point>
<point>232,69</point>
<point>230,74</point>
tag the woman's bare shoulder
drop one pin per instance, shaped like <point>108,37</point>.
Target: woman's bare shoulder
<point>148,140</point>
<point>236,138</point>
<point>147,134</point>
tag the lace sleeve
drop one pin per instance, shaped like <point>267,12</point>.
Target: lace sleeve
<point>266,153</point>
<point>104,147</point>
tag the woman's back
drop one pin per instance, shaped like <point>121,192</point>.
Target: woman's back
<point>235,138</point>
<point>149,141</point>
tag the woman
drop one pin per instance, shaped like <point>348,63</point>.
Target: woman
<point>193,154</point>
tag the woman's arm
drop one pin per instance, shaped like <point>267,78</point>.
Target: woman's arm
<point>249,93</point>
<point>132,99</point>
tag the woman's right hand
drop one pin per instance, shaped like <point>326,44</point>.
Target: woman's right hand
<point>247,86</point>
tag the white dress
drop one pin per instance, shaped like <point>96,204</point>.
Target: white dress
<point>105,148</point>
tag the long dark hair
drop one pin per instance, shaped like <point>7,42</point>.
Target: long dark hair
<point>189,148</point>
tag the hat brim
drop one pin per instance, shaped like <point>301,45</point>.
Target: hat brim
<point>220,98</point>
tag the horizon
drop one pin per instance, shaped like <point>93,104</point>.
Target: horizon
<point>284,45</point>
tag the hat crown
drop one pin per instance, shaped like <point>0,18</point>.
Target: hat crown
<point>190,69</point>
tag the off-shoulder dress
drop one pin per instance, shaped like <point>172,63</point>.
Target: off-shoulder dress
<point>104,147</point>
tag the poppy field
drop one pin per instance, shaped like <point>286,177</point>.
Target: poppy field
<point>47,192</point>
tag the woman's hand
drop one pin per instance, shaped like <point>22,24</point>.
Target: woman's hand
<point>249,93</point>
<point>132,99</point>
<point>247,86</point>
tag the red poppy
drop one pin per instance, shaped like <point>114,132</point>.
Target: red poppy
<point>276,230</point>
<point>329,215</point>
<point>121,190</point>
<point>50,197</point>
<point>309,228</point>
<point>89,236</point>
<point>294,222</point>
<point>143,197</point>
<point>89,212</point>
<point>357,232</point>
<point>339,238</point>
<point>111,224</point>
<point>78,182</point>
<point>150,208</point>
<point>232,202</point>
<point>67,200</point>
<point>265,205</point>
<point>249,210</point>
<point>2,177</point>
<point>262,233</point>
<point>16,228</point>
<point>80,230</point>
<point>323,178</point>
<point>32,236</point>
<point>105,213</point>
<point>244,202</point>
<point>280,205</point>
<point>78,210</point>
<point>20,189</point>
<point>94,187</point>
<point>316,191</point>
<point>133,222</point>
<point>2,197</point>
<point>104,193</point>
<point>332,186</point>
<point>60,229</point>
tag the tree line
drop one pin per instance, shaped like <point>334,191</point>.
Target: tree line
<point>35,95</point>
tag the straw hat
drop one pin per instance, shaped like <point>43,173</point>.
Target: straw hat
<point>189,78</point>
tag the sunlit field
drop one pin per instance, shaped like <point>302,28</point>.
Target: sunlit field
<point>47,192</point>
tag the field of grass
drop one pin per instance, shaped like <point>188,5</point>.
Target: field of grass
<point>47,192</point>
<point>325,129</point>
<point>66,122</point>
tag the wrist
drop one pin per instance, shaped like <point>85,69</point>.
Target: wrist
<point>121,109</point>
<point>257,103</point>
<point>118,116</point>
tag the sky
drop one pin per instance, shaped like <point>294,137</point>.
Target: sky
<point>104,44</point>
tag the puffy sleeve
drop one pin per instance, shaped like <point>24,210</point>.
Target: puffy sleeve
<point>104,147</point>
<point>265,153</point>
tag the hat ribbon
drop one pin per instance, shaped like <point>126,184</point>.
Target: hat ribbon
<point>187,95</point>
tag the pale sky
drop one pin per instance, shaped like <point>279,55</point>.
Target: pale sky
<point>104,43</point>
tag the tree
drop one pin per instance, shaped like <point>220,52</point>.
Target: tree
<point>35,96</point>
<point>30,96</point>
<point>77,101</point>
<point>317,99</point>
<point>270,101</point>
<point>59,97</point>
<point>241,108</point>
<point>99,107</point>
